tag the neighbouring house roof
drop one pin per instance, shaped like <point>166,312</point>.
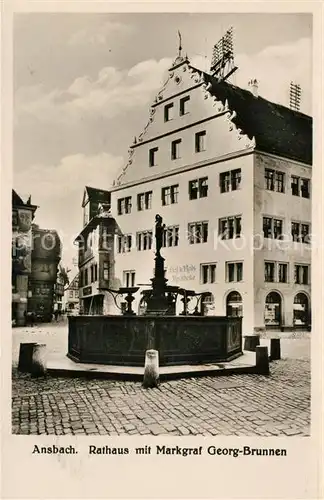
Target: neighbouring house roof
<point>93,223</point>
<point>74,283</point>
<point>276,128</point>
<point>17,201</point>
<point>99,195</point>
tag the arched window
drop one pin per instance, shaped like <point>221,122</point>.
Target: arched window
<point>234,304</point>
<point>301,309</point>
<point>273,312</point>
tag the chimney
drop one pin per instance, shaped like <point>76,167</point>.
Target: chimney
<point>254,87</point>
<point>294,96</point>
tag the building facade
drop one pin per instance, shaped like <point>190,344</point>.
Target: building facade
<point>71,297</point>
<point>95,253</point>
<point>46,255</point>
<point>230,173</point>
<point>59,293</point>
<point>22,216</point>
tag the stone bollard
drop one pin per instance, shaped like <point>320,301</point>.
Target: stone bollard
<point>262,360</point>
<point>151,369</point>
<point>275,350</point>
<point>39,361</point>
<point>251,342</point>
<point>25,357</point>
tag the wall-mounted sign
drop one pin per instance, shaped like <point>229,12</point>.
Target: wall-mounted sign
<point>178,274</point>
<point>87,290</point>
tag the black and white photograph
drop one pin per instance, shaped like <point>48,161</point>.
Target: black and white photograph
<point>161,224</point>
<point>164,250</point>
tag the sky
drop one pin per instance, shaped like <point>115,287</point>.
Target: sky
<point>83,84</point>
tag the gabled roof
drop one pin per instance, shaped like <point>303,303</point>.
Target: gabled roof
<point>16,200</point>
<point>276,128</point>
<point>94,194</point>
<point>74,282</point>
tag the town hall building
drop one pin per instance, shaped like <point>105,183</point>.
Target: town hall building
<point>230,174</point>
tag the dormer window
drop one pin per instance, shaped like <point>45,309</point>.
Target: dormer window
<point>168,112</point>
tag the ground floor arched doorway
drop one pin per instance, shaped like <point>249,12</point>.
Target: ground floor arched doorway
<point>301,310</point>
<point>234,305</point>
<point>273,310</point>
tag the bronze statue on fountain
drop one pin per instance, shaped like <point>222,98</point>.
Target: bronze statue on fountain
<point>160,300</point>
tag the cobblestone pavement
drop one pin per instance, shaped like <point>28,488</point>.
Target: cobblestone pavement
<point>241,405</point>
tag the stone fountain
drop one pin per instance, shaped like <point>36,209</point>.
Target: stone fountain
<point>184,339</point>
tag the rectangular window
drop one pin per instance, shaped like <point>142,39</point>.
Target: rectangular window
<point>96,272</point>
<point>304,188</point>
<point>300,232</point>
<point>236,179</point>
<point>230,181</point>
<point>269,272</point>
<point>280,182</point>
<point>295,185</point>
<point>106,271</point>
<point>295,231</point>
<point>283,273</point>
<point>144,240</point>
<point>234,271</point>
<point>175,149</point>
<point>200,141</point>
<point>86,277</point>
<point>124,205</point>
<point>71,294</point>
<point>76,294</point>
<point>301,275</point>
<point>170,236</point>
<point>274,180</point>
<point>230,227</point>
<point>305,236</point>
<point>184,105</point>
<point>269,179</point>
<point>91,274</point>
<point>124,243</point>
<point>272,228</point>
<point>129,278</point>
<point>225,182</point>
<point>198,232</point>
<point>170,194</point>
<point>168,112</point>
<point>144,201</point>
<point>277,228</point>
<point>153,157</point>
<point>198,188</point>
<point>208,273</point>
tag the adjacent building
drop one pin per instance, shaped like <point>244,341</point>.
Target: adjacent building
<point>46,255</point>
<point>22,216</point>
<point>59,293</point>
<point>230,173</point>
<point>71,297</point>
<point>96,249</point>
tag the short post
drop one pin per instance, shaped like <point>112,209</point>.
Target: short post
<point>275,350</point>
<point>151,369</point>
<point>251,342</point>
<point>39,360</point>
<point>25,356</point>
<point>262,360</point>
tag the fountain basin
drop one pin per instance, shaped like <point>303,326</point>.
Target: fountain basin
<point>123,340</point>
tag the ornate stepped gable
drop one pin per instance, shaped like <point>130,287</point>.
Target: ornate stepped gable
<point>257,122</point>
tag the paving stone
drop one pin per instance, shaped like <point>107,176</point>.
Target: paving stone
<point>245,405</point>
